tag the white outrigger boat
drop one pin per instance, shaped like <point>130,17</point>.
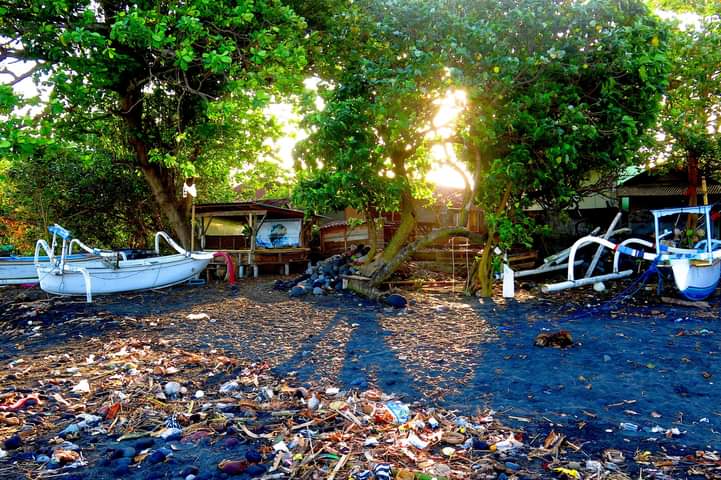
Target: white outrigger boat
<point>20,270</point>
<point>696,271</point>
<point>115,272</point>
<point>15,270</point>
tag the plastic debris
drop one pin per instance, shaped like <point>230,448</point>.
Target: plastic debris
<point>83,386</point>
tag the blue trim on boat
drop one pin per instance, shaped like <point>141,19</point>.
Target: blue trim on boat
<point>695,293</point>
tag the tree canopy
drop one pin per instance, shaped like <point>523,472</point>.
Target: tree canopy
<point>168,90</point>
<point>172,81</point>
<point>553,95</point>
<point>689,121</point>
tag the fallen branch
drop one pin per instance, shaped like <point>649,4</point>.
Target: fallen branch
<point>685,303</point>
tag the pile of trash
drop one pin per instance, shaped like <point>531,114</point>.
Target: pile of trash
<point>327,275</point>
<point>147,409</point>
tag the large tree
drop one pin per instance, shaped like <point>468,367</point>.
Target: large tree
<point>177,80</point>
<point>368,146</point>
<point>553,95</point>
<point>690,116</point>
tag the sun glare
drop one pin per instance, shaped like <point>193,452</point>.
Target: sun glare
<point>449,107</point>
<point>446,170</point>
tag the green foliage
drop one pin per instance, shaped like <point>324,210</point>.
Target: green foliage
<point>265,175</point>
<point>689,116</point>
<point>105,204</point>
<point>572,92</point>
<point>554,96</point>
<point>367,145</point>
<point>188,81</point>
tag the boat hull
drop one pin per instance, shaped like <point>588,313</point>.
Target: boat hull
<point>127,276</point>
<point>694,281</point>
<point>21,270</point>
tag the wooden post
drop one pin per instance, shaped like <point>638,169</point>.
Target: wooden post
<point>704,190</point>
<point>192,226</point>
<point>251,255</point>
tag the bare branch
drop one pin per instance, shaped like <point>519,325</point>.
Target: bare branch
<point>19,78</point>
<point>194,91</point>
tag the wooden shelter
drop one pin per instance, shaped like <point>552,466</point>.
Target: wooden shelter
<point>255,233</point>
<point>444,210</point>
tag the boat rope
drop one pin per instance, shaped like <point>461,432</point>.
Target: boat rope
<point>622,296</point>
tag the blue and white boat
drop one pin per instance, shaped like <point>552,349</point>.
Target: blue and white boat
<point>20,270</point>
<point>696,271</point>
<point>15,270</point>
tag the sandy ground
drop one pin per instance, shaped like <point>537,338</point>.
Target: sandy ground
<point>641,363</point>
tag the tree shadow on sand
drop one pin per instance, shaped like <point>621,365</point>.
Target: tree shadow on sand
<point>368,358</point>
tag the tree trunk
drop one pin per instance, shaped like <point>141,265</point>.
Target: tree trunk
<point>405,229</point>
<point>159,179</point>
<point>692,170</point>
<point>372,237</point>
<point>382,269</point>
<point>175,211</point>
<point>485,270</point>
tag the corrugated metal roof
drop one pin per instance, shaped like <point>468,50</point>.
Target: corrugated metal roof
<point>334,223</point>
<point>219,208</point>
<point>662,191</point>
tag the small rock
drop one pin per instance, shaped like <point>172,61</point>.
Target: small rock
<point>233,467</point>
<point>125,452</point>
<point>253,456</point>
<point>396,301</point>
<point>156,456</point>
<point>143,444</point>
<point>172,389</point>
<point>13,442</point>
<point>3,453</point>
<point>317,291</point>
<point>199,394</point>
<point>297,291</point>
<point>231,442</point>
